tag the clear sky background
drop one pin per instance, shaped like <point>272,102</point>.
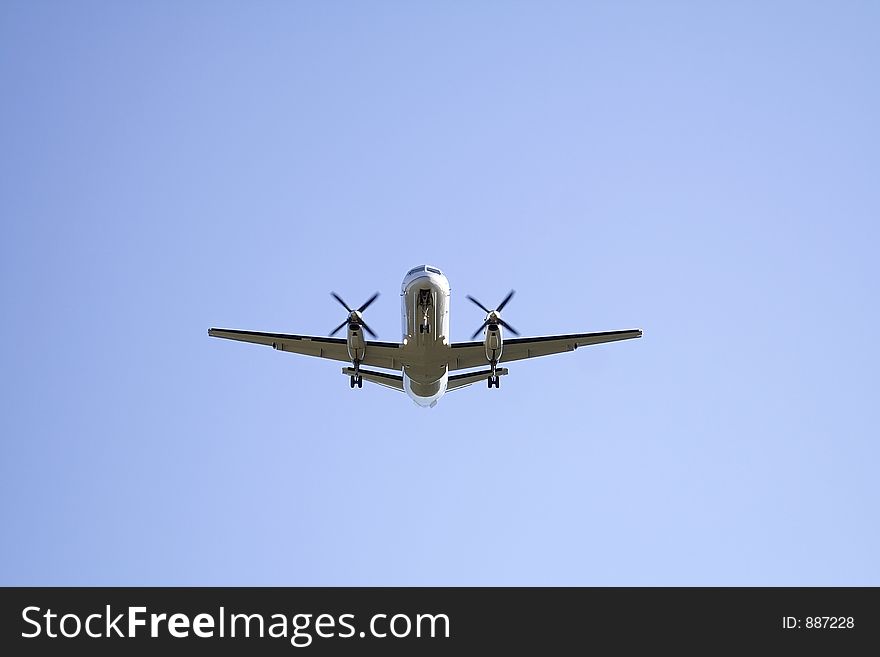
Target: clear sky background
<point>706,171</point>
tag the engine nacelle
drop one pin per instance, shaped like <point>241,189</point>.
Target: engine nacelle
<point>494,342</point>
<point>357,346</point>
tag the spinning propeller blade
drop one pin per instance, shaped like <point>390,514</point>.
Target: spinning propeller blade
<point>354,316</point>
<point>493,317</point>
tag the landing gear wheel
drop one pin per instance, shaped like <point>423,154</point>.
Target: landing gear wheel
<point>494,381</point>
<point>352,382</point>
<point>360,382</point>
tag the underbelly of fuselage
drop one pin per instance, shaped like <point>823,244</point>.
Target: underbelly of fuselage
<point>425,313</point>
<point>425,394</point>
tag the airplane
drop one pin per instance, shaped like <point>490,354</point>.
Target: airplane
<point>421,364</point>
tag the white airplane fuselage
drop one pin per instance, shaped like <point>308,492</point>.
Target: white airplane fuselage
<point>424,299</point>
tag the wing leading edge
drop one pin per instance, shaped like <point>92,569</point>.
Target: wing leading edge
<point>378,354</point>
<point>473,354</point>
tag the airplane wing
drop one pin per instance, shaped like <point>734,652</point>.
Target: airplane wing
<point>473,354</point>
<point>377,354</point>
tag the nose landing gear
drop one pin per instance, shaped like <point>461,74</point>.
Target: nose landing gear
<point>425,305</point>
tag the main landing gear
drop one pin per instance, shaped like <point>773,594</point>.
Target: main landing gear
<point>356,378</point>
<point>494,379</point>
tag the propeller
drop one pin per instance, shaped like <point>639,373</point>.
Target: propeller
<point>493,317</point>
<point>354,316</point>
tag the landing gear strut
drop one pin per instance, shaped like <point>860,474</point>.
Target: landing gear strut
<point>494,379</point>
<point>425,303</point>
<point>356,378</point>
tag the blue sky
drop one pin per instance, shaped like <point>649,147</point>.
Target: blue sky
<point>705,171</point>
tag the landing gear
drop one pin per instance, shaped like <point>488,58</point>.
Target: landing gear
<point>425,304</point>
<point>494,379</point>
<point>356,378</point>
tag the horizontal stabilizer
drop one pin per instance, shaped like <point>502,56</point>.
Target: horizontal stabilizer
<point>461,380</point>
<point>394,381</point>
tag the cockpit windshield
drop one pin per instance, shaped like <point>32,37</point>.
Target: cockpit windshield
<point>416,270</point>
